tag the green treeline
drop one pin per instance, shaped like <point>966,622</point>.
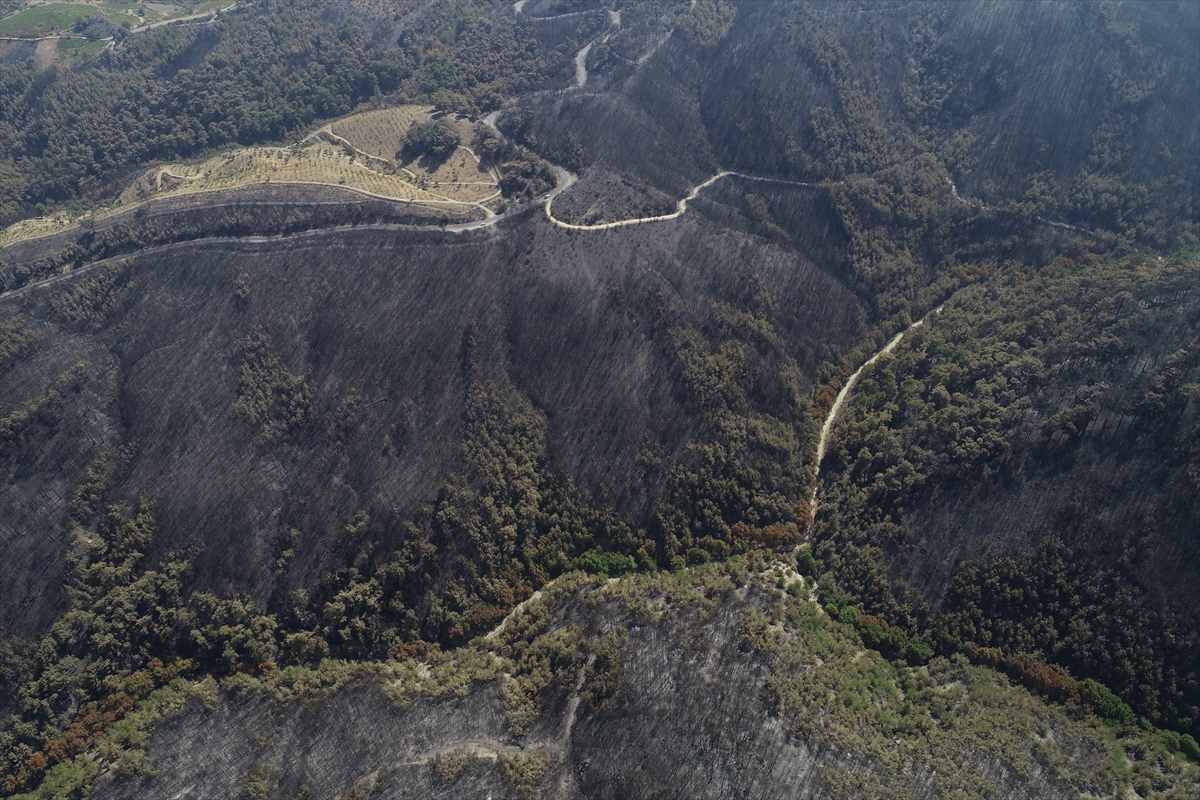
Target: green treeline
<point>501,528</point>
<point>1058,604</point>
<point>900,704</point>
<point>46,411</point>
<point>126,614</point>
<point>91,299</point>
<point>498,531</point>
<point>742,483</point>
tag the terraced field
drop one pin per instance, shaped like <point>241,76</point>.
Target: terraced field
<point>379,133</point>
<point>356,153</point>
<point>317,163</point>
<point>54,19</point>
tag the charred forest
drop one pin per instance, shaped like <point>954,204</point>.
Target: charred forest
<point>591,398</point>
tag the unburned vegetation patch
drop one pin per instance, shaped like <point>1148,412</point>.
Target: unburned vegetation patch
<point>95,297</point>
<point>15,338</point>
<point>274,399</point>
<point>381,132</point>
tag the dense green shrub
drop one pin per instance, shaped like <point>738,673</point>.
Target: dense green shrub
<point>605,563</point>
<point>1107,704</point>
<point>526,177</point>
<point>451,765</point>
<point>46,411</point>
<point>275,399</point>
<point>1189,747</point>
<point>15,339</point>
<point>524,771</point>
<point>435,139</point>
<point>91,299</point>
<point>807,564</point>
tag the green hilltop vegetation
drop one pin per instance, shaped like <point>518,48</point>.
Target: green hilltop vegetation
<point>883,714</point>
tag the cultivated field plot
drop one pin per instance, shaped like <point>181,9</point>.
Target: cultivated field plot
<point>379,133</point>
<point>460,177</point>
<point>46,19</point>
<point>59,18</point>
<point>319,163</point>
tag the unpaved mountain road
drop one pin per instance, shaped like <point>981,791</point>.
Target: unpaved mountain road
<point>581,74</point>
<point>844,395</point>
<point>183,20</point>
<point>680,207</point>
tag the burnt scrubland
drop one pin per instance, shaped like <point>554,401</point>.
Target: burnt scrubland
<point>253,210</point>
<point>519,368</point>
<point>281,462</point>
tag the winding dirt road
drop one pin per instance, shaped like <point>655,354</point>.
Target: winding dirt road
<point>844,394</point>
<point>680,207</point>
<point>61,277</point>
<point>191,18</point>
<point>581,74</point>
<point>565,181</point>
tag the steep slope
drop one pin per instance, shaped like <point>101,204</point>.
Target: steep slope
<point>1022,473</point>
<point>946,123</point>
<point>300,448</point>
<point>967,78</point>
<point>643,687</point>
<point>381,336</point>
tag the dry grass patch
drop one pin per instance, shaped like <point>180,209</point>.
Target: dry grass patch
<point>40,226</point>
<point>460,177</point>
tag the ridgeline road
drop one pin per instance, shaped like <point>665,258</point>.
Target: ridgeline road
<point>565,181</point>
<point>680,207</point>
<point>61,277</point>
<point>192,18</point>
